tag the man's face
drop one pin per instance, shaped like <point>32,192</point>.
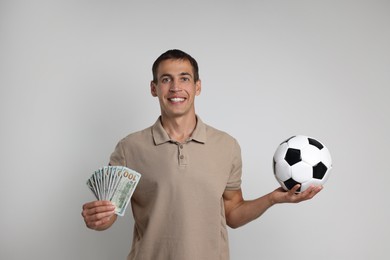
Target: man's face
<point>176,88</point>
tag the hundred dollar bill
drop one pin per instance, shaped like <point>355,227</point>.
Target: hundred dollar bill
<point>124,186</point>
<point>91,184</point>
<point>114,183</point>
<point>96,178</point>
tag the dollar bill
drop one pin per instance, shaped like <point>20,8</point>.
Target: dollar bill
<point>128,180</point>
<point>116,184</point>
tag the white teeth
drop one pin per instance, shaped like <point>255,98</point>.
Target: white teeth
<point>176,99</point>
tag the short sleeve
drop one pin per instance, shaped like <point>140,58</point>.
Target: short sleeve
<point>234,182</point>
<point>117,158</point>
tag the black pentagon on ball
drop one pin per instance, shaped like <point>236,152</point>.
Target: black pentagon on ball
<point>293,156</point>
<point>315,143</point>
<point>319,171</point>
<point>290,183</point>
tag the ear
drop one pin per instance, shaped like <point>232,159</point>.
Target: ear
<point>198,87</point>
<point>153,89</point>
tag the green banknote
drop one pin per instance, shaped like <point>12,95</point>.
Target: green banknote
<point>116,184</point>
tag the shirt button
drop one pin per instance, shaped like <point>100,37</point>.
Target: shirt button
<point>181,146</point>
<point>182,157</point>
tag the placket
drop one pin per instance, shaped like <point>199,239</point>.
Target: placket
<point>183,156</point>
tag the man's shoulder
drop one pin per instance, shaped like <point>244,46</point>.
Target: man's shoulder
<point>137,136</point>
<point>213,132</point>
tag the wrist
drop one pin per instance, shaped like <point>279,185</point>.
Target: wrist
<point>271,199</point>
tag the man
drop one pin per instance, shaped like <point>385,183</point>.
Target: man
<point>190,188</point>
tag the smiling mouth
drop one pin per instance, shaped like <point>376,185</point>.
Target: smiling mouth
<point>176,99</point>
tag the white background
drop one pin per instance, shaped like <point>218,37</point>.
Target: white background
<point>74,79</point>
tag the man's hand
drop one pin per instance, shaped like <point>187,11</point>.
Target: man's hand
<point>99,215</point>
<point>281,196</point>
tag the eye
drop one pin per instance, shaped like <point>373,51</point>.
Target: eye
<point>185,79</point>
<point>165,80</point>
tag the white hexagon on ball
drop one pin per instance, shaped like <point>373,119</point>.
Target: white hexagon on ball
<point>301,172</point>
<point>311,155</point>
<point>283,171</point>
<point>298,142</point>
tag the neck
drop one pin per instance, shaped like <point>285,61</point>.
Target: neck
<point>179,129</point>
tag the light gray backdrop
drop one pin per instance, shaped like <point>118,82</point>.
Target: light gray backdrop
<point>74,78</point>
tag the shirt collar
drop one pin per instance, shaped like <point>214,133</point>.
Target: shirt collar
<point>160,136</point>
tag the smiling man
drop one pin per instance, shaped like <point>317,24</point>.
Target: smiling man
<point>190,189</point>
<point>176,84</point>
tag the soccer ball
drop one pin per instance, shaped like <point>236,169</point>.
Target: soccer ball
<point>301,160</point>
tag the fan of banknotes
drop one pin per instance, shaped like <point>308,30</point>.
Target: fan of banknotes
<point>116,184</point>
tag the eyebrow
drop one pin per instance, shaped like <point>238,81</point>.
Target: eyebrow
<point>180,74</point>
<point>185,74</point>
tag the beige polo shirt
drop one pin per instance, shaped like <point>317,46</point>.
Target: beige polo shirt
<point>177,206</point>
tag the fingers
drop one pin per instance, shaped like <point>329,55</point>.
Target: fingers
<point>97,213</point>
<point>97,203</point>
<point>294,196</point>
<point>312,191</point>
<point>99,223</point>
<point>294,189</point>
<point>309,193</point>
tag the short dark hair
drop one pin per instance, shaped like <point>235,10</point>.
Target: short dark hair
<point>175,55</point>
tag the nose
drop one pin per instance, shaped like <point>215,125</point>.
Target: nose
<point>175,86</point>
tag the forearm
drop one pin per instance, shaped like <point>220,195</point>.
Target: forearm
<point>248,210</point>
<point>239,211</point>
